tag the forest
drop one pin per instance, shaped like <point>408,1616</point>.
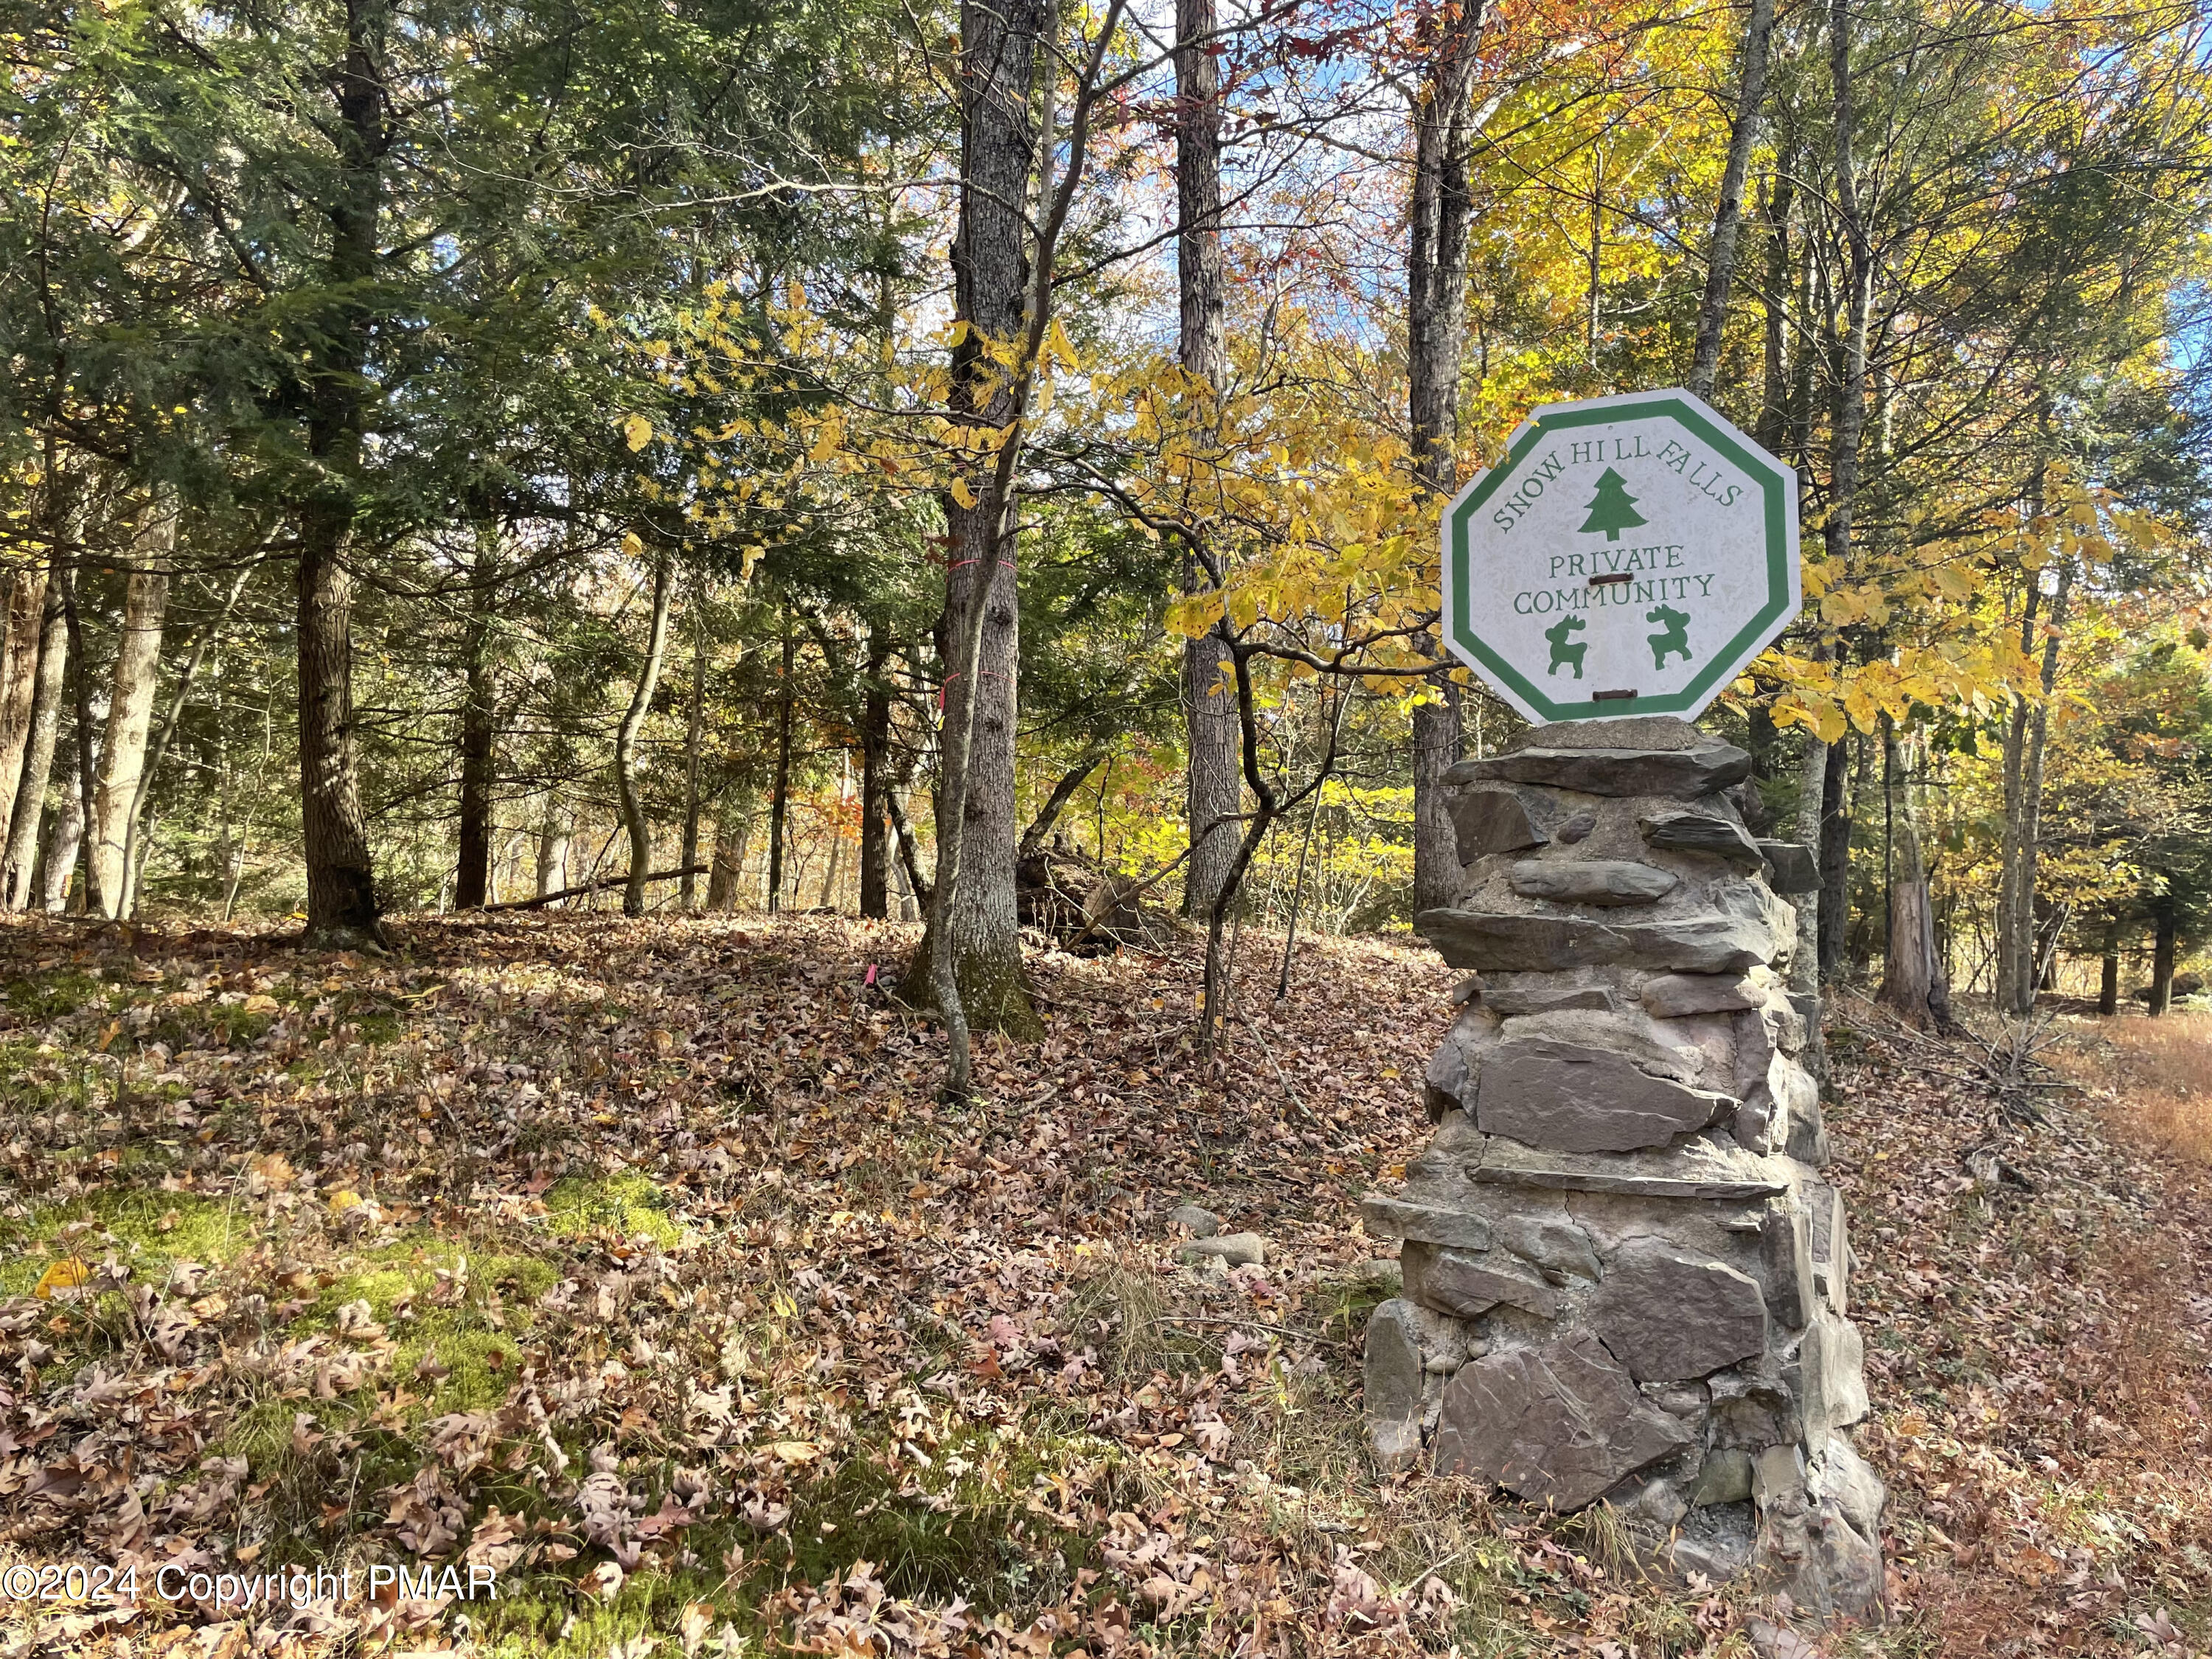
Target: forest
<point>460,458</point>
<point>601,597</point>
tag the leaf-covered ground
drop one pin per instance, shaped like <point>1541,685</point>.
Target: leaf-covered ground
<point>635,1264</point>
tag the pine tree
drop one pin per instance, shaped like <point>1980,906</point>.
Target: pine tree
<point>1613,509</point>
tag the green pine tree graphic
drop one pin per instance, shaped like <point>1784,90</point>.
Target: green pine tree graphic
<point>1613,509</point>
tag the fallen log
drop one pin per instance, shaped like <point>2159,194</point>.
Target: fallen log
<point>599,886</point>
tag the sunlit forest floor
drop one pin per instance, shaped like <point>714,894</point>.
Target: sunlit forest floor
<point>634,1265</point>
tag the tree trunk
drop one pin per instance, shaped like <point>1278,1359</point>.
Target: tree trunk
<point>1805,965</point>
<point>555,828</point>
<point>1844,471</point>
<point>1851,412</point>
<point>1727,217</point>
<point>626,737</point>
<point>43,729</point>
<point>2010,937</point>
<point>2167,918</point>
<point>1912,976</point>
<point>972,946</point>
<point>732,829</point>
<point>130,712</point>
<point>21,625</point>
<point>63,839</point>
<point>909,850</point>
<point>2108,977</point>
<point>875,766</point>
<point>1440,214</point>
<point>779,800</point>
<point>1438,740</point>
<point>909,905</point>
<point>82,729</point>
<point>1212,790</point>
<point>1835,856</point>
<point>1213,793</point>
<point>2025,739</point>
<point>134,851</point>
<point>1773,431</point>
<point>473,871</point>
<point>688,890</point>
<point>342,902</point>
<point>1438,218</point>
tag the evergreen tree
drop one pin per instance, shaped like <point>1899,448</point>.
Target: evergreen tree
<point>1613,509</point>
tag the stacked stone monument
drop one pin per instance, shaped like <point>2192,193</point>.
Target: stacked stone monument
<point>1624,1278</point>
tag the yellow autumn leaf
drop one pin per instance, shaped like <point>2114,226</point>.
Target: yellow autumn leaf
<point>260,1003</point>
<point>795,1451</point>
<point>344,1199</point>
<point>1057,344</point>
<point>65,1275</point>
<point>963,493</point>
<point>637,432</point>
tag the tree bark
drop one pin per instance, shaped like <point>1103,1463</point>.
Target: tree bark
<point>1773,430</point>
<point>971,947</point>
<point>63,836</point>
<point>1439,217</point>
<point>555,828</point>
<point>909,849</point>
<point>779,800</point>
<point>1727,217</point>
<point>687,892</point>
<point>1213,793</point>
<point>1851,411</point>
<point>1805,965</point>
<point>875,767</point>
<point>43,729</point>
<point>88,765</point>
<point>2108,977</point>
<point>1912,975</point>
<point>732,829</point>
<point>626,737</point>
<point>2167,920</point>
<point>473,871</point>
<point>1438,738</point>
<point>21,625</point>
<point>130,712</point>
<point>342,900</point>
<point>2026,740</point>
<point>134,854</point>
<point>1844,467</point>
<point>1835,855</point>
<point>1212,790</point>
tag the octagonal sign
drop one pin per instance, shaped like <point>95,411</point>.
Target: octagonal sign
<point>1629,555</point>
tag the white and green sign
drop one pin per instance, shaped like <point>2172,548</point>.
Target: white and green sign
<point>1629,555</point>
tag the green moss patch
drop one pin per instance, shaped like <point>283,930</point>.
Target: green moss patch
<point>628,1204</point>
<point>147,1230</point>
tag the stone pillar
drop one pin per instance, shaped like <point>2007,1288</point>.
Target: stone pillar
<point>1625,1279</point>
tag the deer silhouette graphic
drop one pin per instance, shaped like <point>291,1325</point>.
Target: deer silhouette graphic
<point>1672,635</point>
<point>1565,656</point>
